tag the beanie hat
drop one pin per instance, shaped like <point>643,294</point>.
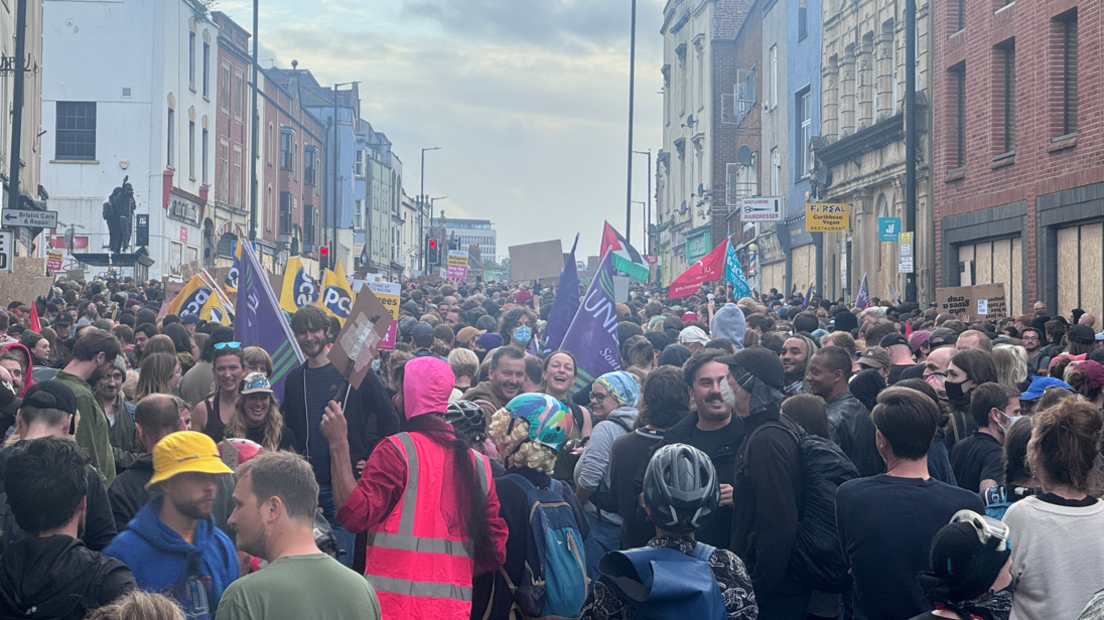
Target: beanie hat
<point>963,568</point>
<point>622,386</point>
<point>729,322</point>
<point>845,322</point>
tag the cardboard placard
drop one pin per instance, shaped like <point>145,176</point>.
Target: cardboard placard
<point>360,338</point>
<point>973,303</point>
<point>534,261</point>
<point>388,294</point>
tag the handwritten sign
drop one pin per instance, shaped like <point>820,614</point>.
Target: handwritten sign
<point>973,303</point>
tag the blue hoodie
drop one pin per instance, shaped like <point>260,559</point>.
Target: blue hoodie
<point>162,561</point>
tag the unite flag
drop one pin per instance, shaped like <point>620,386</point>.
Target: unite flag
<point>260,322</point>
<point>592,335</point>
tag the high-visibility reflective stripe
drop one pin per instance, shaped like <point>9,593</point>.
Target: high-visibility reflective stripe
<point>403,587</point>
<point>410,495</point>
<point>403,542</point>
<point>481,466</point>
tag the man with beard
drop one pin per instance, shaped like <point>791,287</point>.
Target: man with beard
<point>713,429</point>
<point>274,505</point>
<point>1037,362</point>
<point>307,391</point>
<point>848,419</point>
<point>50,571</point>
<point>120,415</point>
<point>797,352</point>
<point>94,354</point>
<point>172,545</point>
<point>504,381</point>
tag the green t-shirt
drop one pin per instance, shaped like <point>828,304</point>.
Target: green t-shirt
<point>93,430</point>
<point>300,587</point>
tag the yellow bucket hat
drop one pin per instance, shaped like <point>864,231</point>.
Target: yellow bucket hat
<point>185,451</point>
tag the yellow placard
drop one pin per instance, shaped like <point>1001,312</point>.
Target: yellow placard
<point>827,217</point>
<point>458,259</point>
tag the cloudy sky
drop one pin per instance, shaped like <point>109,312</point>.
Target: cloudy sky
<point>528,99</point>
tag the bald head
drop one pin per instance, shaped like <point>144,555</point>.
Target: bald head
<point>1088,319</point>
<point>156,416</point>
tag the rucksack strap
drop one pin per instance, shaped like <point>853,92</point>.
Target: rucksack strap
<point>703,551</point>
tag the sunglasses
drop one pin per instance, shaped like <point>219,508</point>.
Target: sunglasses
<point>233,344</point>
<point>986,528</point>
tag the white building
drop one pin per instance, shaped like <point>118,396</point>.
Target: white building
<point>126,92</point>
<point>466,233</point>
<point>408,255</point>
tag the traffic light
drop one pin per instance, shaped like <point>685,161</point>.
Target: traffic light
<point>433,253</point>
<point>324,257</point>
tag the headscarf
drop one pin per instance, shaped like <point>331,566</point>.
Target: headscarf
<point>622,386</point>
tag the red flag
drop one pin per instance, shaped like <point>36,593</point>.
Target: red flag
<point>709,268</point>
<point>35,325</point>
<point>908,329</point>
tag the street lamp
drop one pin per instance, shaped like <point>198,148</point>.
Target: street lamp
<point>333,166</point>
<point>648,210</point>
<point>421,210</point>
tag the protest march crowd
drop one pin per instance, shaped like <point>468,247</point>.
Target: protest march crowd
<point>761,456</point>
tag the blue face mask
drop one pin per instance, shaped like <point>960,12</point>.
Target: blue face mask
<point>522,334</point>
<point>375,365</point>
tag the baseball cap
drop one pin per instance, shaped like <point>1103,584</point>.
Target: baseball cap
<point>942,336</point>
<point>63,319</point>
<point>255,383</point>
<point>422,334</point>
<point>1081,334</point>
<point>1040,385</point>
<point>51,395</point>
<point>892,340</point>
<point>874,357</point>
<point>183,452</point>
<point>190,319</point>
<point>467,333</point>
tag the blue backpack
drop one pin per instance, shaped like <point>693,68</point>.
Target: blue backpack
<point>665,584</point>
<point>554,582</point>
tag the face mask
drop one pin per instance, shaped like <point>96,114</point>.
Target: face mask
<point>375,365</point>
<point>728,395</point>
<point>988,606</point>
<point>522,334</point>
<point>954,392</point>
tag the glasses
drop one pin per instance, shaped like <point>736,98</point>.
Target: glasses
<point>987,528</point>
<point>233,344</point>
<point>598,397</point>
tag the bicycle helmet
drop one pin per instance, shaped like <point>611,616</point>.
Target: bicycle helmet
<point>548,418</point>
<point>467,419</point>
<point>680,488</point>
<point>244,450</point>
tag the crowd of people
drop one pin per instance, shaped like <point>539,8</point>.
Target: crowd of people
<point>765,457</point>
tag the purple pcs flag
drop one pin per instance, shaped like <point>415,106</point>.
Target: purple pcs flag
<point>592,335</point>
<point>260,321</point>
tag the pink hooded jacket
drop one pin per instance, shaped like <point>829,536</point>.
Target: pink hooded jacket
<point>427,385</point>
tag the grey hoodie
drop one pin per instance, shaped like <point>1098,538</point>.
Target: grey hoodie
<point>729,322</point>
<point>593,468</point>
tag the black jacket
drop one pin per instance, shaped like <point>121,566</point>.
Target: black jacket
<point>128,494</point>
<point>58,577</point>
<point>853,431</point>
<point>99,527</point>
<point>368,411</point>
<point>716,531</point>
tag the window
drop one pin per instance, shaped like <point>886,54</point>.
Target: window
<point>191,61</point>
<point>958,91</point>
<point>236,183</point>
<point>285,213</point>
<point>1067,26</point>
<point>76,130</point>
<point>203,156</point>
<point>772,85</point>
<point>223,190</point>
<point>359,163</point>
<point>745,93</point>
<point>239,91</point>
<point>285,150</point>
<point>802,19</point>
<point>960,14</point>
<point>224,89</point>
<point>295,158</point>
<point>309,234</point>
<point>776,173</point>
<point>206,69</point>
<point>270,143</point>
<point>310,161</point>
<point>803,155</point>
<point>191,150</point>
<point>358,215</point>
<point>170,140</point>
<point>268,208</point>
<point>1006,95</point>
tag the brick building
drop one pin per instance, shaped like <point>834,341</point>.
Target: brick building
<point>699,121</point>
<point>227,216</point>
<point>862,143</point>
<point>1019,151</point>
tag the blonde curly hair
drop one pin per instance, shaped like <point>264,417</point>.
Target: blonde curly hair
<point>514,446</point>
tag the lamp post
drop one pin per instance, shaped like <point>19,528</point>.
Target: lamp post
<point>632,79</point>
<point>333,166</point>
<point>648,210</point>
<point>421,211</point>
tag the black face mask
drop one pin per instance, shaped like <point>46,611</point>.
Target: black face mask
<point>955,393</point>
<point>989,606</point>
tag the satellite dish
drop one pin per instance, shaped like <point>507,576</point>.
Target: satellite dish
<point>701,189</point>
<point>823,176</point>
<point>743,155</point>
<point>682,207</point>
<point>689,120</point>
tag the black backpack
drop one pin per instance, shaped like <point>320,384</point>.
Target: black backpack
<point>816,558</point>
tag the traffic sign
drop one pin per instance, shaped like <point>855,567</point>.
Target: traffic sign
<point>7,245</point>
<point>761,209</point>
<point>23,218</point>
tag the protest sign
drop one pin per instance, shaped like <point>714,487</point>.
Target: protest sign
<point>973,303</point>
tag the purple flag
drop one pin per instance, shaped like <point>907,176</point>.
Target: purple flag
<point>862,300</point>
<point>808,294</point>
<point>592,335</point>
<point>564,307</point>
<point>260,321</point>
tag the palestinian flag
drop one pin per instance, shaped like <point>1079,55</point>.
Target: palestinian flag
<point>625,257</point>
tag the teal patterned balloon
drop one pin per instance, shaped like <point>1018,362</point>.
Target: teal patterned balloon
<point>549,420</point>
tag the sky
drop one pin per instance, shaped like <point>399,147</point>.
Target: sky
<point>528,100</point>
